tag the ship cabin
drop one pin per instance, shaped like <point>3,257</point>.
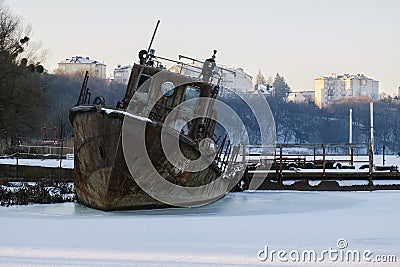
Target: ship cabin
<point>156,93</point>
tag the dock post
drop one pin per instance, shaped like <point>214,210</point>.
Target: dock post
<point>351,155</point>
<point>314,155</point>
<point>61,152</point>
<point>280,163</point>
<point>245,179</point>
<point>323,160</point>
<point>371,165</point>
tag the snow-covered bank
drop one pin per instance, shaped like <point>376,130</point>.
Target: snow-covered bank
<point>69,163</point>
<point>228,232</point>
<point>52,163</point>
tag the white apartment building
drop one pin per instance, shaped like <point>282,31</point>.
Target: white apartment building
<point>78,63</point>
<point>122,74</point>
<point>336,87</point>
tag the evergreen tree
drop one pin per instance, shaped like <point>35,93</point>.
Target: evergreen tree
<point>281,87</point>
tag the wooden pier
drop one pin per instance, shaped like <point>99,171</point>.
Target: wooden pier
<point>282,168</point>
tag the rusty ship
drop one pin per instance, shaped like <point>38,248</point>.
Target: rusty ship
<point>122,160</point>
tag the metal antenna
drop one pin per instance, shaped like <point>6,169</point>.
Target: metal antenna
<point>132,90</point>
<point>152,38</point>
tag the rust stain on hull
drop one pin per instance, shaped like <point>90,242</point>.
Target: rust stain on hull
<point>102,179</point>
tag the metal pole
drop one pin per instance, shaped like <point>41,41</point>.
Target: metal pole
<point>371,146</point>
<point>383,156</point>
<point>17,157</point>
<point>351,127</point>
<point>371,109</point>
<point>280,159</point>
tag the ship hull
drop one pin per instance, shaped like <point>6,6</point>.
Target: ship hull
<point>102,178</point>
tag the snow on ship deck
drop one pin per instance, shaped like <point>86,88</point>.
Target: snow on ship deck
<point>229,232</point>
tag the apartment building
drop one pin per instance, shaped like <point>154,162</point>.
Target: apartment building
<point>78,63</point>
<point>122,74</point>
<point>330,89</point>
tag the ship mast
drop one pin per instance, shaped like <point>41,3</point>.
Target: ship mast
<point>143,56</point>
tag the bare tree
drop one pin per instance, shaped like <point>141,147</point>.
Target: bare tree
<point>9,29</point>
<point>260,79</point>
<point>21,95</point>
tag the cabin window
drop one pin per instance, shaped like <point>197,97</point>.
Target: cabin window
<point>191,92</point>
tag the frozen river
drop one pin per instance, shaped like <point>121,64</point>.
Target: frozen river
<point>230,232</point>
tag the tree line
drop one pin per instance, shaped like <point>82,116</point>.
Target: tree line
<point>31,98</point>
<point>306,123</point>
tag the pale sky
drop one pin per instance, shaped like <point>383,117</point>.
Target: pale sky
<point>301,39</point>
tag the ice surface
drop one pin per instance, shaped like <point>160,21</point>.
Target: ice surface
<point>228,232</point>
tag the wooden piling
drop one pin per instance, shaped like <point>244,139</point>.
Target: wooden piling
<point>351,156</point>
<point>383,155</point>
<point>371,164</point>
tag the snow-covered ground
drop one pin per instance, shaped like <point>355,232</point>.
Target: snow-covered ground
<point>53,163</point>
<point>229,232</point>
<point>359,160</point>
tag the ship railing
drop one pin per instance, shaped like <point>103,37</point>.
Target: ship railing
<point>192,70</point>
<point>227,154</point>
